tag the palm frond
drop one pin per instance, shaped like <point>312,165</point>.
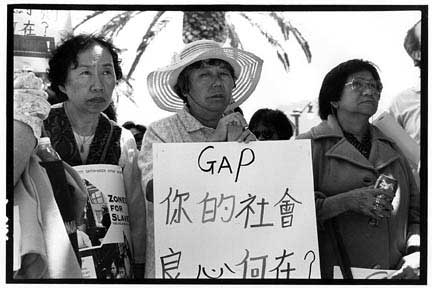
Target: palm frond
<point>283,57</point>
<point>286,27</point>
<point>117,23</point>
<point>233,37</point>
<point>280,51</point>
<point>303,43</point>
<point>91,16</point>
<point>154,28</point>
<point>124,89</point>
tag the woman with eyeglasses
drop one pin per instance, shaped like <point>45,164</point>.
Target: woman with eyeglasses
<point>359,225</point>
<point>269,124</point>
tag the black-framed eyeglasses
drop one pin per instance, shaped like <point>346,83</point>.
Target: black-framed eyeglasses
<point>359,84</point>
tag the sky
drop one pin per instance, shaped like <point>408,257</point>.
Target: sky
<point>333,37</point>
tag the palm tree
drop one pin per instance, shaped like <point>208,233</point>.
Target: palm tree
<point>214,25</point>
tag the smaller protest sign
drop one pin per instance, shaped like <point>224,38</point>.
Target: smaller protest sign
<point>104,238</point>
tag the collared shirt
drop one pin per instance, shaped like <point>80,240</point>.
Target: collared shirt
<point>178,128</point>
<point>363,146</point>
<point>406,110</point>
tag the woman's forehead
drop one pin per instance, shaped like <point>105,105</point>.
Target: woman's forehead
<point>367,75</point>
<point>94,54</point>
<point>213,63</point>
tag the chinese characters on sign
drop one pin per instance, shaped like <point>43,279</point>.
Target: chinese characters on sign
<point>176,209</point>
<point>230,210</point>
<point>31,22</point>
<point>248,267</point>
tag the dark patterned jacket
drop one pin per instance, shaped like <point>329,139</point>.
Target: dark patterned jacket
<point>121,151</point>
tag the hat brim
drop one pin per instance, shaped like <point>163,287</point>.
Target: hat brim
<point>247,69</point>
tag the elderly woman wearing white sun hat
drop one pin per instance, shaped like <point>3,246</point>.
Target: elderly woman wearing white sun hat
<point>203,86</point>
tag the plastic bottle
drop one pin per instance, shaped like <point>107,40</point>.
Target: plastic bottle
<point>53,165</point>
<point>45,151</point>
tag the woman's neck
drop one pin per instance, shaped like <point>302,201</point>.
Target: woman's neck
<point>356,125</point>
<point>208,121</point>
<point>207,118</point>
<point>82,123</point>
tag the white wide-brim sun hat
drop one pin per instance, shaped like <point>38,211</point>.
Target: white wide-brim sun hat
<point>247,69</point>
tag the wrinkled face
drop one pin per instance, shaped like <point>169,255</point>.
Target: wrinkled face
<point>265,132</point>
<point>90,85</point>
<point>361,99</point>
<point>210,89</point>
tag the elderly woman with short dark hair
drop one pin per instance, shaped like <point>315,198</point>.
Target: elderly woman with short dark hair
<point>360,225</point>
<point>83,71</point>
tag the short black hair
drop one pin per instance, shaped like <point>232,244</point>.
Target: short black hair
<point>239,110</point>
<point>412,42</point>
<point>334,83</point>
<point>272,118</point>
<point>141,128</point>
<point>111,112</point>
<point>128,125</point>
<point>182,86</point>
<point>66,54</point>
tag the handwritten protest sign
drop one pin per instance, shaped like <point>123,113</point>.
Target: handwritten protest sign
<point>35,22</point>
<point>36,33</point>
<point>232,210</point>
<point>106,223</point>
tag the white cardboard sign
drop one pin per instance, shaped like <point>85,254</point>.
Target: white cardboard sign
<point>107,217</point>
<point>234,210</point>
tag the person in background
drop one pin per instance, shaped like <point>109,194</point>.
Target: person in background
<point>348,155</point>
<point>202,86</point>
<point>83,238</point>
<point>128,125</point>
<point>121,273</point>
<point>405,107</point>
<point>114,269</point>
<point>137,131</point>
<point>239,110</point>
<point>268,124</point>
<point>83,71</point>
